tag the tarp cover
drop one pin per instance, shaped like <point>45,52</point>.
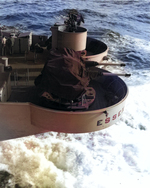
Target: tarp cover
<point>64,74</point>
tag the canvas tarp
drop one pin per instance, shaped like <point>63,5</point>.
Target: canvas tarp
<point>64,74</point>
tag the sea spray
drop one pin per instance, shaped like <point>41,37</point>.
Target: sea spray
<point>115,157</point>
<point>36,163</point>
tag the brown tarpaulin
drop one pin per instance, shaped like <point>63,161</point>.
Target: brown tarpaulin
<point>64,74</point>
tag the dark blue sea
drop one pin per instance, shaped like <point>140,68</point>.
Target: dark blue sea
<point>115,157</point>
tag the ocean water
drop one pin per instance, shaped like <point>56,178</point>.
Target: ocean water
<point>114,157</point>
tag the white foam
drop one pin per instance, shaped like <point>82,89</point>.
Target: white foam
<point>112,156</point>
<point>117,156</point>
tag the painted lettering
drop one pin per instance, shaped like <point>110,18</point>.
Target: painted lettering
<point>107,120</point>
<point>99,122</point>
<point>114,117</point>
<point>119,113</point>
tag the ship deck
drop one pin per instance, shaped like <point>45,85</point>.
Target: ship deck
<point>27,67</point>
<point>24,71</point>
